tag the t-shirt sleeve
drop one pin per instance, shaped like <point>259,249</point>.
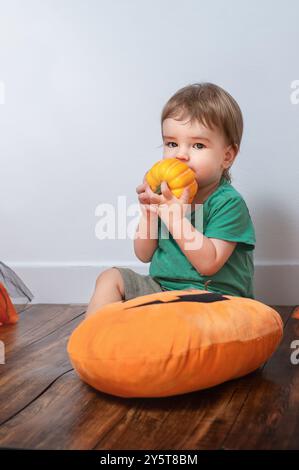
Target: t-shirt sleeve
<point>231,221</point>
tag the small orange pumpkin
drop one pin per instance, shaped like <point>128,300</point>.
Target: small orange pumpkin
<point>177,174</point>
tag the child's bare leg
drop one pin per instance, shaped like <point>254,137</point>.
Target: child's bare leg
<point>109,288</point>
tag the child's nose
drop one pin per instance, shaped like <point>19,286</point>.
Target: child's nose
<point>182,157</point>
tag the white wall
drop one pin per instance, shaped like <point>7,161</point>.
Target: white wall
<point>85,82</point>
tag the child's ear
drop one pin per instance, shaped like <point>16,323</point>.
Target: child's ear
<point>230,154</point>
<point>236,148</point>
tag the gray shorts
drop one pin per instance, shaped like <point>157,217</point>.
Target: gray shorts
<point>138,284</point>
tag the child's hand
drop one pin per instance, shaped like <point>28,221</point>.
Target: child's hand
<point>147,198</point>
<point>170,206</point>
<point>163,205</point>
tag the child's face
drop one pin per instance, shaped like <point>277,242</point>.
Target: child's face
<point>202,149</point>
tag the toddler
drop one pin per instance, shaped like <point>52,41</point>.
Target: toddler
<point>201,126</point>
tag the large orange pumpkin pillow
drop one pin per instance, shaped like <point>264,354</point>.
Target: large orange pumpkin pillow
<point>173,342</point>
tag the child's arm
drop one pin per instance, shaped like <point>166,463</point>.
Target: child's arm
<point>146,236</point>
<point>207,255</point>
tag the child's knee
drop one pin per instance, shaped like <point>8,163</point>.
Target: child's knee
<point>110,277</point>
<point>104,277</point>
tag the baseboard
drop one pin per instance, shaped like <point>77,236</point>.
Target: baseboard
<point>275,284</point>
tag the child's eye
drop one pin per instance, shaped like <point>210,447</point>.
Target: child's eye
<point>202,145</point>
<point>167,144</point>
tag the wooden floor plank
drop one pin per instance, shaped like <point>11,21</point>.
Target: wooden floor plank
<point>269,418</point>
<point>31,369</point>
<point>179,422</point>
<point>48,407</point>
<point>36,322</point>
<point>69,415</point>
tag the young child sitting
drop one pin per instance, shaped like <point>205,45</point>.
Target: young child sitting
<point>202,126</point>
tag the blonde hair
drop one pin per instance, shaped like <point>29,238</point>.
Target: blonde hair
<point>211,106</point>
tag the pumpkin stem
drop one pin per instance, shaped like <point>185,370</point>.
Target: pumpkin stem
<point>206,283</point>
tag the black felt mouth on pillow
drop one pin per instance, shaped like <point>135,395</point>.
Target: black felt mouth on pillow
<point>203,298</point>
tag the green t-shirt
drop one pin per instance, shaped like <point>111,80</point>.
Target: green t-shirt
<point>225,216</point>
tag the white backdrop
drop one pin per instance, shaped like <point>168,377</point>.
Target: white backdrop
<point>82,86</point>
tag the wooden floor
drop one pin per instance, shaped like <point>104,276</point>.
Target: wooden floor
<point>43,404</point>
